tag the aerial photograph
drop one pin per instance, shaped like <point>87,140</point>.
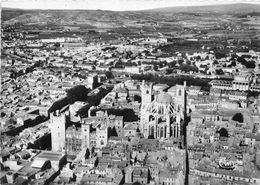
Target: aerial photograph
<point>130,92</point>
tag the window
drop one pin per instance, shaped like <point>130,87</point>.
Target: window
<point>180,92</point>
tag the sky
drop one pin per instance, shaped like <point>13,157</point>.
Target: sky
<point>115,5</point>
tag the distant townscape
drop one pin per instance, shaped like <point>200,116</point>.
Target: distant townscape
<point>159,97</point>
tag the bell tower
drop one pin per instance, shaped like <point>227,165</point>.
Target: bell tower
<point>147,98</point>
<point>146,91</point>
<point>58,130</point>
<point>180,97</point>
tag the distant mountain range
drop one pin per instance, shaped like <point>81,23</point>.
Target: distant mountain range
<point>99,18</point>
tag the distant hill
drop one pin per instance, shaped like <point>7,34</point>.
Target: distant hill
<point>227,9</point>
<point>99,18</point>
<point>59,17</point>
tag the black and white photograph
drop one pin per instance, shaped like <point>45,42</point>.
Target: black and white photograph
<point>130,92</point>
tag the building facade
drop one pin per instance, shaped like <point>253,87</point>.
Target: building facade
<point>162,115</point>
<point>92,132</point>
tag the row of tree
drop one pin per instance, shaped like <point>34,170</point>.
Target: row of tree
<point>171,81</point>
<point>77,93</point>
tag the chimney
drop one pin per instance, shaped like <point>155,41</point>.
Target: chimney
<point>57,112</point>
<point>67,113</point>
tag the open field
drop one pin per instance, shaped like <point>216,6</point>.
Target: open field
<point>163,20</point>
<point>209,23</point>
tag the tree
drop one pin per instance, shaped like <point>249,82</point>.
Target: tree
<point>198,57</point>
<point>161,65</point>
<point>220,55</point>
<point>254,94</point>
<point>215,62</point>
<point>119,64</point>
<point>77,93</point>
<point>109,74</point>
<point>56,44</point>
<point>233,63</point>
<point>223,132</point>
<point>155,67</point>
<point>172,64</point>
<point>241,60</point>
<point>204,83</point>
<point>248,64</point>
<point>238,117</point>
<point>188,62</point>
<point>219,72</point>
<point>87,154</point>
<point>58,105</point>
<point>129,114</point>
<point>3,114</point>
<point>13,74</point>
<point>181,61</point>
<point>188,68</point>
<point>38,64</point>
<point>169,71</point>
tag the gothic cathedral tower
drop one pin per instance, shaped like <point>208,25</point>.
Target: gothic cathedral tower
<point>181,102</point>
<point>180,97</point>
<point>146,91</point>
<point>147,98</point>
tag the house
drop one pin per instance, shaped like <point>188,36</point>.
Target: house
<point>23,154</point>
<point>5,154</point>
<point>252,139</point>
<point>41,164</point>
<point>130,129</point>
<point>140,174</point>
<point>91,163</point>
<point>194,90</point>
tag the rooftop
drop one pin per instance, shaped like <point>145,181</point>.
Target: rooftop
<point>50,155</point>
<point>164,98</point>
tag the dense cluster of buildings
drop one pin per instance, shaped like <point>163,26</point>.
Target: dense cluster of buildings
<point>127,131</point>
<point>222,149</point>
<point>244,81</point>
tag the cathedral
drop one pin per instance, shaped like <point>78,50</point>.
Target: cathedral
<point>163,113</point>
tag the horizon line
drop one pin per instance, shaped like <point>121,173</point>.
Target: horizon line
<point>117,8</point>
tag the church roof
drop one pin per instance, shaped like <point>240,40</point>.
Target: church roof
<point>163,104</point>
<point>164,98</point>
